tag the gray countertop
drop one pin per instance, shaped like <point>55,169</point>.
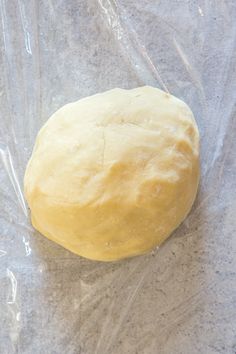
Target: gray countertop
<point>182,297</point>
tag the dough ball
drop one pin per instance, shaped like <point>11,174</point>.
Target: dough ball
<point>112,175</point>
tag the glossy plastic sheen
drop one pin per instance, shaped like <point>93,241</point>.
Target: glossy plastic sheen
<point>179,299</point>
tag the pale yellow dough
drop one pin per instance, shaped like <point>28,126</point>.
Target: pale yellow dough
<point>112,175</point>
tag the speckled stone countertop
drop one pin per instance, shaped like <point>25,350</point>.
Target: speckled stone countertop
<point>180,299</point>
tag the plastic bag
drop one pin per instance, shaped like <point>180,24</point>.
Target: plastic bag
<point>180,299</point>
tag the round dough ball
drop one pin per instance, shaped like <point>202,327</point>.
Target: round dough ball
<point>112,175</point>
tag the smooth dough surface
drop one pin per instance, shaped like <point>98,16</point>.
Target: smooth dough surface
<point>112,175</point>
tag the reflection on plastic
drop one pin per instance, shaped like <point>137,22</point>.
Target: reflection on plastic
<point>131,46</point>
<point>8,165</point>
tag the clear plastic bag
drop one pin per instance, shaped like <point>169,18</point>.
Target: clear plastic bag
<point>179,299</point>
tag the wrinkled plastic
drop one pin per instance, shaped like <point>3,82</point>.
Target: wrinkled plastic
<point>179,299</point>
